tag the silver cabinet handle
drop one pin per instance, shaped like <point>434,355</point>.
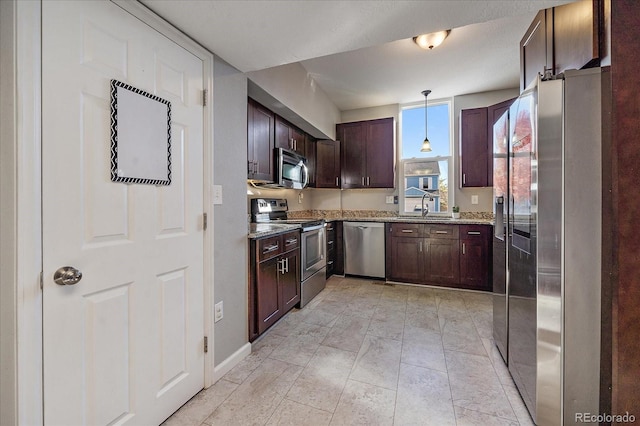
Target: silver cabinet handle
<point>464,178</point>
<point>368,181</point>
<point>407,231</point>
<point>281,266</point>
<point>463,248</point>
<point>337,181</point>
<point>473,232</point>
<point>362,180</point>
<point>329,242</point>
<point>291,241</point>
<point>442,232</point>
<point>269,249</point>
<point>67,275</point>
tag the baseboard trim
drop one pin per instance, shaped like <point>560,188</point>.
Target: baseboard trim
<point>227,365</point>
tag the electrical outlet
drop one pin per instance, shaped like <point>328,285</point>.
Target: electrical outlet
<point>219,312</point>
<point>389,199</point>
<point>474,199</point>
<point>217,194</point>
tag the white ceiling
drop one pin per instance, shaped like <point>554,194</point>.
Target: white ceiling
<point>360,52</point>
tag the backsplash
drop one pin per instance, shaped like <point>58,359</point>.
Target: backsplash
<point>346,214</point>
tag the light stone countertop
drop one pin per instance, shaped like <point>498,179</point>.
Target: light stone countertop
<point>261,230</point>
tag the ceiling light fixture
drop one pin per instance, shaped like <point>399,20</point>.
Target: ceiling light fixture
<point>426,145</point>
<point>431,40</point>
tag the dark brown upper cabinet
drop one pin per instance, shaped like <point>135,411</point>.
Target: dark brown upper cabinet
<point>260,142</point>
<point>310,155</point>
<point>474,148</point>
<point>562,38</point>
<point>289,137</point>
<point>536,49</point>
<point>367,150</point>
<point>476,144</point>
<point>327,164</point>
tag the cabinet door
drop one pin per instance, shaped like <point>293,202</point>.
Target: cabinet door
<point>298,137</point>
<point>407,260</point>
<point>283,137</point>
<point>289,280</point>
<point>536,48</point>
<point>576,35</point>
<point>475,256</point>
<point>442,265</point>
<point>494,112</point>
<point>330,232</point>
<point>268,293</point>
<point>288,136</point>
<point>327,164</point>
<point>379,158</point>
<point>310,155</point>
<point>474,153</point>
<point>352,138</point>
<point>260,133</point>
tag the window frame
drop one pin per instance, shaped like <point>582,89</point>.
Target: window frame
<point>449,158</point>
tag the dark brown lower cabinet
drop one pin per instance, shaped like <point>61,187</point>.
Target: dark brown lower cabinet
<point>442,261</point>
<point>445,255</point>
<point>407,259</point>
<point>274,280</point>
<point>335,262</point>
<point>475,256</point>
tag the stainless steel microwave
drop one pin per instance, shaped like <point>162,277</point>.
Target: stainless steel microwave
<point>290,169</point>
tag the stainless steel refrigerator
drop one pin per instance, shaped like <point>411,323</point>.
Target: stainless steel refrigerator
<point>547,245</point>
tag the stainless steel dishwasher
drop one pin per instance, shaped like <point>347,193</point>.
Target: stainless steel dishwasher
<point>364,249</point>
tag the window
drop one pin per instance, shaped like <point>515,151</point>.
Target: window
<point>426,175</point>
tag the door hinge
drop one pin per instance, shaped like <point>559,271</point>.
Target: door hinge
<point>205,92</point>
<point>204,221</point>
<point>206,344</point>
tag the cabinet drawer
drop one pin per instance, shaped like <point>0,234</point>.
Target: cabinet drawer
<point>269,247</point>
<point>449,232</point>
<point>474,231</point>
<point>406,230</point>
<point>291,241</point>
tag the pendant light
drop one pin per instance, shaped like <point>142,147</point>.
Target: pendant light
<point>426,145</point>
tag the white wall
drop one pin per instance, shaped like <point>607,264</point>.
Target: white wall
<point>229,218</point>
<point>294,88</point>
<point>475,100</point>
<point>8,219</point>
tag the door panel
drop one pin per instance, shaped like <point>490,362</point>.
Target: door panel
<point>123,345</point>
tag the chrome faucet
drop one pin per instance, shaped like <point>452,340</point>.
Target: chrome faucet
<point>425,207</point>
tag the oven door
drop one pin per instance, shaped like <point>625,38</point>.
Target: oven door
<point>313,252</point>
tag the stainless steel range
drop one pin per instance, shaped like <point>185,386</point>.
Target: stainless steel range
<point>313,252</point>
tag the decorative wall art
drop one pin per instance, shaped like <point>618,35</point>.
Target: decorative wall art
<point>140,136</point>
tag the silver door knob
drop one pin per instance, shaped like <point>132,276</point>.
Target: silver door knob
<point>67,275</point>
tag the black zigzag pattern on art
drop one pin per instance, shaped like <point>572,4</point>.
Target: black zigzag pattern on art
<point>114,135</point>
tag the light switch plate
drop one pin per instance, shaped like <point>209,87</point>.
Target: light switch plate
<point>474,199</point>
<point>219,312</point>
<point>217,194</point>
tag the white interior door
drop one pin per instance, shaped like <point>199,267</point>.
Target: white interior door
<point>124,344</point>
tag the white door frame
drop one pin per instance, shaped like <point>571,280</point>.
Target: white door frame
<point>22,193</point>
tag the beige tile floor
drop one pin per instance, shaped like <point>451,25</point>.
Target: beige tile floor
<point>366,353</point>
